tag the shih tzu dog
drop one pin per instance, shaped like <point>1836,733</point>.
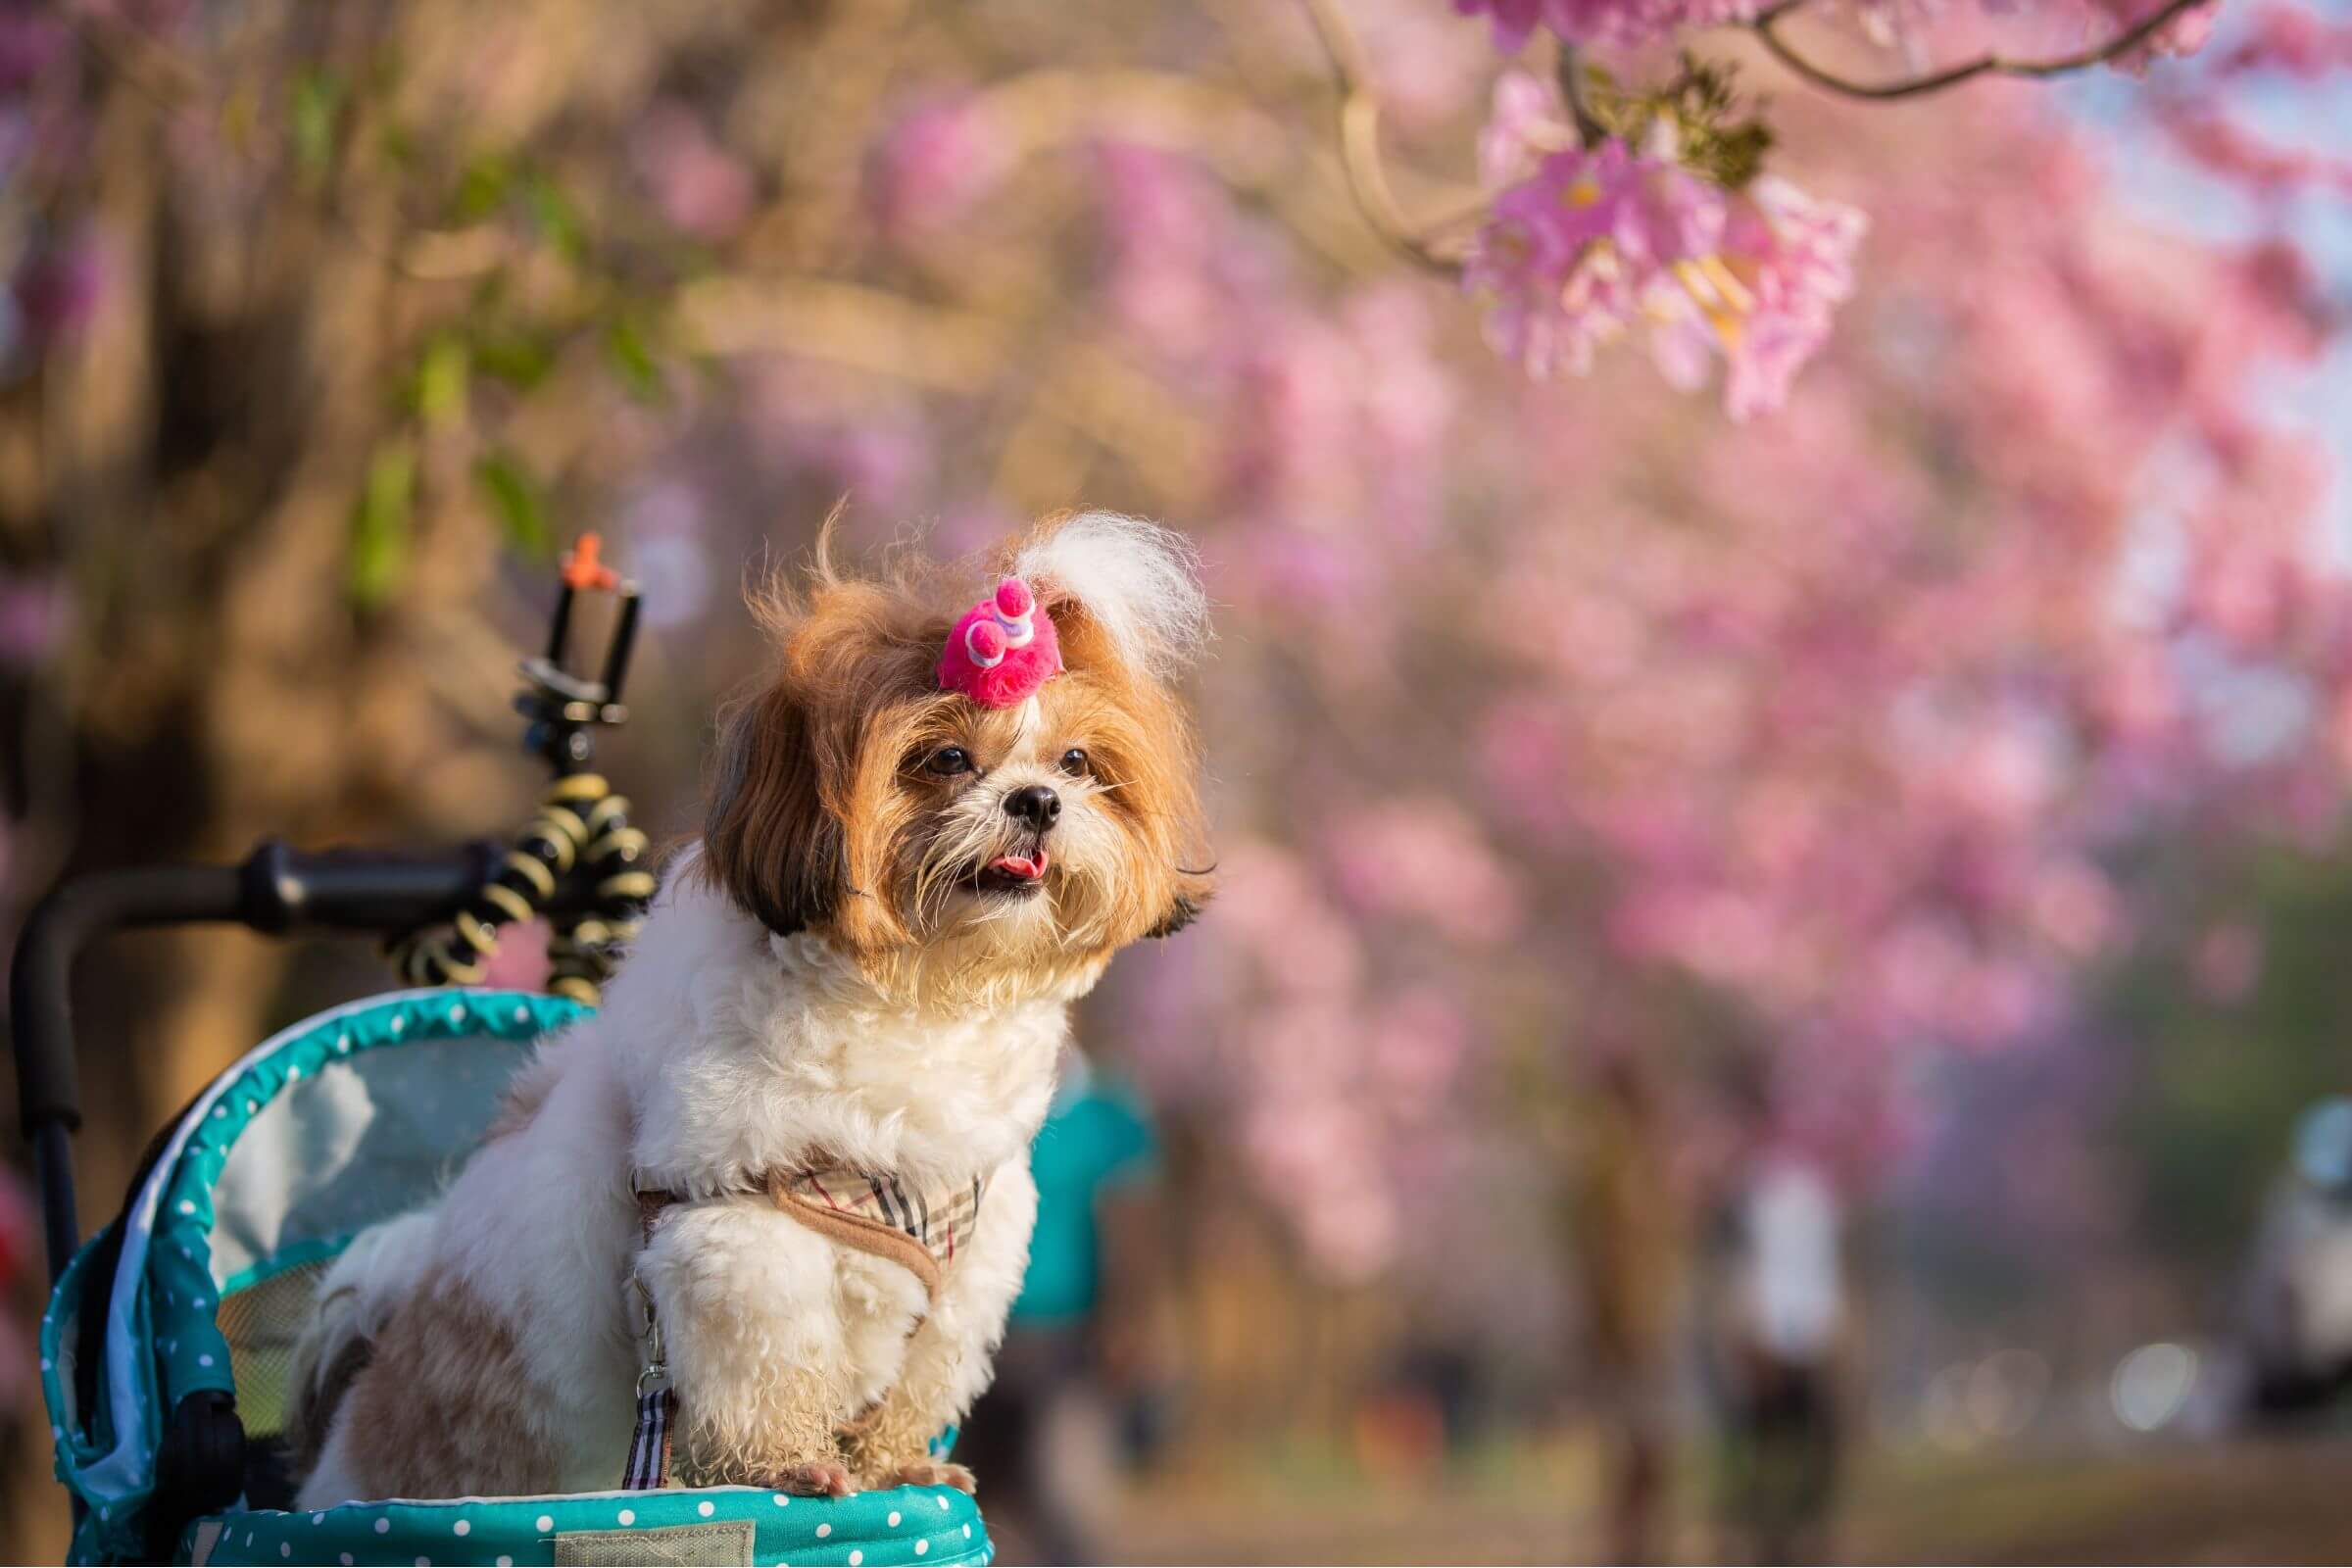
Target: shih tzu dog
<point>762,1217</point>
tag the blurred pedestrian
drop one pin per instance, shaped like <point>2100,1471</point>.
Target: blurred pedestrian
<point>1776,1320</point>
<point>2298,1305</point>
<point>1080,1382</point>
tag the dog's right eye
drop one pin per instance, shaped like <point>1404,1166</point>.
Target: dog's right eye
<point>949,761</point>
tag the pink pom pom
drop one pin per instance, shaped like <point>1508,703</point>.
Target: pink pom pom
<point>1002,650</point>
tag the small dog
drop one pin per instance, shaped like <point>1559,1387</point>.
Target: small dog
<point>783,1173</point>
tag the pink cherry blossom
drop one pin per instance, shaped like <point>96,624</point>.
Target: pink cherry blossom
<point>1525,124</point>
<point>700,189</point>
<point>1590,246</point>
<point>1606,22</point>
<point>60,286</point>
<point>1425,858</point>
<point>1764,300</point>
<point>1570,255</point>
<point>937,162</point>
<point>1514,20</point>
<point>2183,34</point>
<point>2226,960</point>
<point>34,613</point>
<point>30,44</point>
<point>2293,41</point>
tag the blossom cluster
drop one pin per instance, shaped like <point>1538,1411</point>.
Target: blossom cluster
<point>1598,242</point>
<point>1594,237</point>
<point>1540,701</point>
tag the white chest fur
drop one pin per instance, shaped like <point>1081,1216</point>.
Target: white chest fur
<point>792,1055</point>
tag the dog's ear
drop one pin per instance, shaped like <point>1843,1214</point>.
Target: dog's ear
<point>1184,825</point>
<point>768,840</point>
<point>1195,879</point>
<point>1185,907</point>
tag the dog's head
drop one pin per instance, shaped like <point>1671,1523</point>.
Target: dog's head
<point>943,841</point>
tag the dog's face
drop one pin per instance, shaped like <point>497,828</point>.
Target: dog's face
<point>950,846</point>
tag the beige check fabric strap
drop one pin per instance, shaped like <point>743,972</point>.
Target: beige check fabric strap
<point>921,1229</point>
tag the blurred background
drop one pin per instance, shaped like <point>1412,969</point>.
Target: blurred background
<point>1777,990</point>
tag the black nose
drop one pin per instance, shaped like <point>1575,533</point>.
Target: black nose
<point>1037,806</point>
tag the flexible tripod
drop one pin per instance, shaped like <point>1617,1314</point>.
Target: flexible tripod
<point>578,861</point>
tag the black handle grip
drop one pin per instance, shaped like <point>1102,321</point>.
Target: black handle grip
<point>282,889</point>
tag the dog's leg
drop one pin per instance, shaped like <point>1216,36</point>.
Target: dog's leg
<point>892,1445</point>
<point>745,1296</point>
<point>952,1356</point>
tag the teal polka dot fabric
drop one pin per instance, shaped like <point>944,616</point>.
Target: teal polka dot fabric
<point>908,1525</point>
<point>329,1126</point>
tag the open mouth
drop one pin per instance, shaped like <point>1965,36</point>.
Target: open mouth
<point>1018,874</point>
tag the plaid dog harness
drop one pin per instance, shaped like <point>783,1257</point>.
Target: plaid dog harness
<point>877,1214</point>
<point>920,1230</point>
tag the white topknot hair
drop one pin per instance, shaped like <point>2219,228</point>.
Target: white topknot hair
<point>1140,582</point>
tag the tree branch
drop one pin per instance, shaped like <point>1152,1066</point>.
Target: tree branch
<point>1044,109</point>
<point>1589,132</point>
<point>1359,143</point>
<point>1766,28</point>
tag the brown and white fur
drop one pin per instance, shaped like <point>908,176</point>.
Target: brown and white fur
<point>834,975</point>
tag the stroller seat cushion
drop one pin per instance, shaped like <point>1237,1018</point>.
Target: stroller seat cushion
<point>918,1526</point>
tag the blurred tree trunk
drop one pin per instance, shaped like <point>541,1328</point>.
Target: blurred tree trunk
<point>1632,1233</point>
<point>197,454</point>
<point>200,453</point>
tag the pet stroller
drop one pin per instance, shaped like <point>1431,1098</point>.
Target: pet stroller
<point>167,1347</point>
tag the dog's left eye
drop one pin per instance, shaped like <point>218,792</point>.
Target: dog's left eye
<point>950,759</point>
<point>1075,760</point>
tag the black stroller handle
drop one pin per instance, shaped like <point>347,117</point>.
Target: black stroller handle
<point>276,890</point>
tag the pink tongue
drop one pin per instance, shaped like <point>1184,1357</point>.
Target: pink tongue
<point>1016,865</point>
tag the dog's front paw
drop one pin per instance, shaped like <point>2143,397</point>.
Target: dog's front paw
<point>931,1473</point>
<point>821,1477</point>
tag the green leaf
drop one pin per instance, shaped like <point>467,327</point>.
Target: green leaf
<point>317,99</point>
<point>482,189</point>
<point>631,357</point>
<point>521,359</point>
<point>441,376</point>
<point>380,524</point>
<point>557,219</point>
<point>489,291</point>
<point>519,502</point>
<point>398,146</point>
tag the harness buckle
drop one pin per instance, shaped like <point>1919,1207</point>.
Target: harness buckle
<point>655,1374</point>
